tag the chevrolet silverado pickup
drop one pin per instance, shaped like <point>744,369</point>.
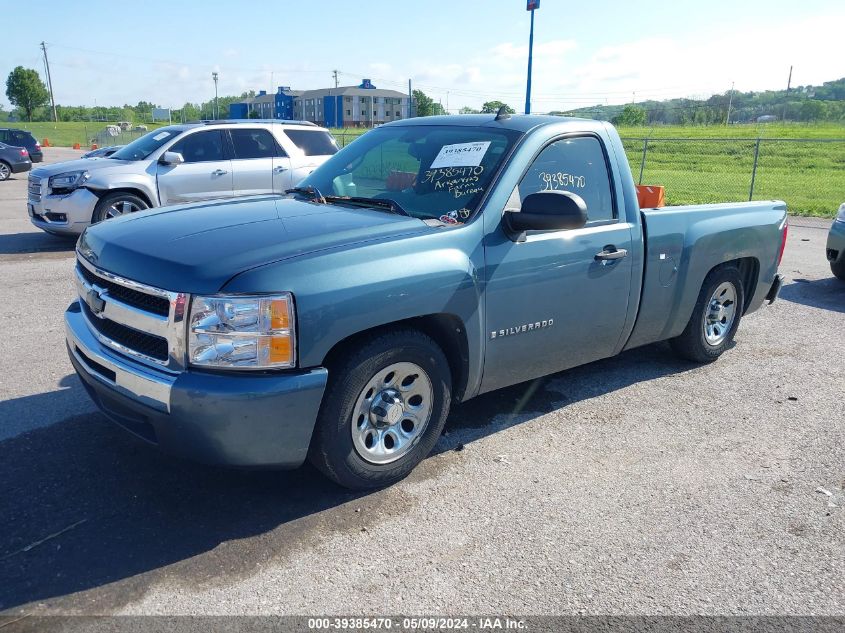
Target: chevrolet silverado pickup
<point>430,261</point>
<point>176,164</point>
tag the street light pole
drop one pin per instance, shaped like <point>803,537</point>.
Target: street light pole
<point>216,108</point>
<point>532,6</point>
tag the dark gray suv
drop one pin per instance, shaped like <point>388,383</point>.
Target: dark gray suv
<point>22,138</point>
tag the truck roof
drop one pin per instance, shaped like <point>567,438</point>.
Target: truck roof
<point>518,122</point>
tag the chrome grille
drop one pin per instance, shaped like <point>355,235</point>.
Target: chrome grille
<point>131,318</point>
<point>34,189</point>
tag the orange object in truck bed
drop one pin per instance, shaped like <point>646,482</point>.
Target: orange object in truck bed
<point>650,196</point>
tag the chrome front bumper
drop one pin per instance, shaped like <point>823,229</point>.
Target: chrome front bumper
<point>135,381</point>
<point>245,420</point>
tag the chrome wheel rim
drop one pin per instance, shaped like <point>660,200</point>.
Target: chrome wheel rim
<point>121,207</point>
<point>392,412</point>
<point>5,172</point>
<point>721,312</point>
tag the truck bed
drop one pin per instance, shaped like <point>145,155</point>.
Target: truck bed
<point>682,245</point>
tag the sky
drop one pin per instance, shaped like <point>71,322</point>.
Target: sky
<point>460,52</point>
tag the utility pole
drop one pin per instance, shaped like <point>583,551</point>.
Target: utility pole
<point>531,6</point>
<point>410,100</point>
<point>789,81</point>
<point>49,81</point>
<point>216,108</point>
<point>336,106</point>
<point>730,101</point>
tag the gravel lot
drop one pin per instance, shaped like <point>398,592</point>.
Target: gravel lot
<point>635,485</point>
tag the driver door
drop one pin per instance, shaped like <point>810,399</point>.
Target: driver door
<point>205,174</point>
<point>551,303</point>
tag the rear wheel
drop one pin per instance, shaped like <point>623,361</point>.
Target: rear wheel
<point>714,319</point>
<point>838,269</point>
<point>117,204</point>
<point>5,171</point>
<point>383,411</point>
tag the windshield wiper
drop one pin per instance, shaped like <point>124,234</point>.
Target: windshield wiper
<point>380,203</point>
<point>311,192</point>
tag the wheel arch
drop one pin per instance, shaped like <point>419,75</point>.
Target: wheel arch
<point>102,193</point>
<point>447,330</point>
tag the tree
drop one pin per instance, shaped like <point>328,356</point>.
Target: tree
<point>631,116</point>
<point>25,90</point>
<point>492,107</point>
<point>424,104</point>
<point>812,110</point>
<point>468,110</point>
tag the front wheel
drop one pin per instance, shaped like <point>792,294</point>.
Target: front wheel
<point>714,319</point>
<point>838,269</point>
<point>383,411</point>
<point>117,204</point>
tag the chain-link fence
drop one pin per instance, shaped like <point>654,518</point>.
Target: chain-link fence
<point>808,174</point>
<point>345,136</point>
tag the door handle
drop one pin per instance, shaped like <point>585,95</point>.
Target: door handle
<point>611,253</point>
<point>219,172</point>
<point>279,170</point>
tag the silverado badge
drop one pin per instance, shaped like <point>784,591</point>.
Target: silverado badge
<point>523,327</point>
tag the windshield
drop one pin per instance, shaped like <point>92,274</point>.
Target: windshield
<point>436,171</point>
<point>142,147</point>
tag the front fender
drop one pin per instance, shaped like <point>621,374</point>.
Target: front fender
<point>101,185</point>
<point>344,291</point>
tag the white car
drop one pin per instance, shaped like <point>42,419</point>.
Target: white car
<point>177,164</point>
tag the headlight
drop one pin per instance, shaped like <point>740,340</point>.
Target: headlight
<point>70,180</point>
<point>840,217</point>
<point>242,332</point>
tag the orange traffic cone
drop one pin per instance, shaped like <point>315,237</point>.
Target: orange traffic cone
<point>93,146</point>
<point>46,142</point>
<point>76,146</point>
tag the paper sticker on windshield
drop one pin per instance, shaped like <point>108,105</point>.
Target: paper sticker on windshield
<point>161,135</point>
<point>461,155</point>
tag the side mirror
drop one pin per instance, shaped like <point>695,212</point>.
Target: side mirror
<point>171,158</point>
<point>546,211</point>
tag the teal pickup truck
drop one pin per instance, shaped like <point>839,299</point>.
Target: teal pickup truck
<point>428,262</point>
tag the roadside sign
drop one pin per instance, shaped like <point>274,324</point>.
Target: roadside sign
<point>533,4</point>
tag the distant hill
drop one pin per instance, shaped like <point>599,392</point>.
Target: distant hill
<point>803,103</point>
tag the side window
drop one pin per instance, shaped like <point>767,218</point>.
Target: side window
<point>576,165</point>
<point>313,142</point>
<point>201,147</point>
<point>255,143</point>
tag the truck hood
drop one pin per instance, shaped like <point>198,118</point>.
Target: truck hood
<point>92,165</point>
<point>197,248</point>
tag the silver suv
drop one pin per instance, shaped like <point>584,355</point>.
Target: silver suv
<point>174,165</point>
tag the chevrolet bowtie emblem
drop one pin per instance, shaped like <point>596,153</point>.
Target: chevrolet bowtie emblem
<point>95,301</point>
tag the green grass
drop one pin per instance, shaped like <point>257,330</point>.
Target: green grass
<point>749,130</point>
<point>808,176</point>
<point>65,134</point>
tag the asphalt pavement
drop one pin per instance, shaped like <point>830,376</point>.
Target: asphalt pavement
<point>635,485</point>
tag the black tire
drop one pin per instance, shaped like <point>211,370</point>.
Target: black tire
<point>333,450</point>
<point>103,210</point>
<point>838,269</point>
<point>5,170</point>
<point>693,344</point>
